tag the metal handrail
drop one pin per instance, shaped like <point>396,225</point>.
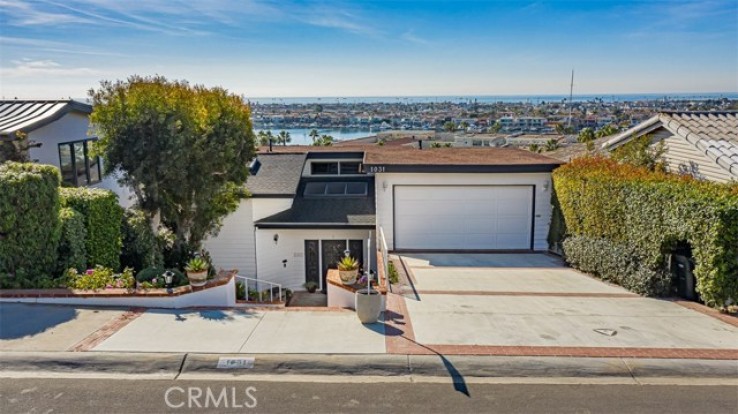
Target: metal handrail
<point>382,244</point>
<point>256,281</point>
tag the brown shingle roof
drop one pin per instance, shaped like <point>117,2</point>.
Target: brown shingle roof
<point>456,156</point>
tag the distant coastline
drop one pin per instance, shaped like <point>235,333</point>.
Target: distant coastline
<point>631,97</point>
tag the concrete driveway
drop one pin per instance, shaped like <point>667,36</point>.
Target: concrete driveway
<point>533,300</point>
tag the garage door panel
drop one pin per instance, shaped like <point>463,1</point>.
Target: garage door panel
<point>463,217</point>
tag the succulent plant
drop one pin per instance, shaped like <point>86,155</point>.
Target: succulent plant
<point>197,265</point>
<point>348,263</point>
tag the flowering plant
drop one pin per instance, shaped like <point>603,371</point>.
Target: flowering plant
<point>100,278</point>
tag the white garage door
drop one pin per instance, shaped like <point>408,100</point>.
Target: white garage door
<point>463,217</point>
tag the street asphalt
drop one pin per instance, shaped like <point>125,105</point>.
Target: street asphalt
<point>93,396</point>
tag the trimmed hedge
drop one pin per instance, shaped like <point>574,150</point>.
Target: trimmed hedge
<point>72,250</point>
<point>140,244</point>
<point>618,212</point>
<point>102,220</point>
<point>29,222</point>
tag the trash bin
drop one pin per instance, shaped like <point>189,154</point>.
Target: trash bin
<point>682,268</point>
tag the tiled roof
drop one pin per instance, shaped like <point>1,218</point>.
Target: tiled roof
<point>276,174</point>
<point>17,115</point>
<point>485,156</point>
<point>713,133</point>
<point>326,212</point>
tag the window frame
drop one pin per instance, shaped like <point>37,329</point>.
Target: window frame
<point>326,185</point>
<point>87,160</point>
<point>342,163</point>
<point>313,164</point>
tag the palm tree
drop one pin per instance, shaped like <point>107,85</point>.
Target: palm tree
<point>323,141</point>
<point>263,138</point>
<point>314,135</point>
<point>284,137</point>
<point>586,135</point>
<point>534,147</point>
<point>552,145</point>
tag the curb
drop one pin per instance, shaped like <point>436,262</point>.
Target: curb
<point>174,365</point>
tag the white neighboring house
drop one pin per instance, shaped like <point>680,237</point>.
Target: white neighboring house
<point>58,131</point>
<point>309,204</point>
<point>701,144</point>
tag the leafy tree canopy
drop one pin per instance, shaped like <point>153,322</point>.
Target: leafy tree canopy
<point>184,150</point>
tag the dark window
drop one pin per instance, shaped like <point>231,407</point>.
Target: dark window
<point>335,189</point>
<point>350,168</point>
<point>324,168</point>
<point>78,168</point>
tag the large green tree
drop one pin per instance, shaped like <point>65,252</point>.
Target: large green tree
<point>184,150</point>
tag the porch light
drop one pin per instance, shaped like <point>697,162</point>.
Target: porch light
<point>168,277</point>
<point>347,252</point>
<point>276,238</point>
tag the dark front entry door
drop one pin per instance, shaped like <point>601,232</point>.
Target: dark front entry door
<point>357,251</point>
<point>332,253</point>
<point>312,261</point>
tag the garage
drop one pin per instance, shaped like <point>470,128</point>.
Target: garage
<point>463,217</point>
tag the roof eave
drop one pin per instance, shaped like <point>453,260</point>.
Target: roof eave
<point>643,128</point>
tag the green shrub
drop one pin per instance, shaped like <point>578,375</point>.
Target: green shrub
<point>100,278</point>
<point>649,213</point>
<point>394,277</point>
<point>615,263</point>
<point>140,246</point>
<point>102,216</point>
<point>29,223</point>
<point>72,250</point>
<point>152,277</point>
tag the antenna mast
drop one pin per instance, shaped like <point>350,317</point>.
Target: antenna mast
<point>571,93</point>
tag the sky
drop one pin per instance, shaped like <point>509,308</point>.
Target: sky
<point>286,48</point>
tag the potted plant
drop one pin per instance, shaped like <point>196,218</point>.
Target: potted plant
<point>311,286</point>
<point>197,271</point>
<point>348,269</point>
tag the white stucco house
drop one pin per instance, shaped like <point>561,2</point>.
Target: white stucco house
<point>309,204</point>
<point>701,144</point>
<point>59,134</point>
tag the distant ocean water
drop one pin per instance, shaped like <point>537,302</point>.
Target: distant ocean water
<point>301,136</point>
<point>499,98</point>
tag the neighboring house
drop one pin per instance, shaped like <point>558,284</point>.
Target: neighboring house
<point>310,204</point>
<point>701,144</point>
<point>58,132</point>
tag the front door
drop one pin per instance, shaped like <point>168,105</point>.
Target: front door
<point>332,252</point>
<point>312,261</point>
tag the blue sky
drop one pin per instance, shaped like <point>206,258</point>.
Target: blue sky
<point>53,49</point>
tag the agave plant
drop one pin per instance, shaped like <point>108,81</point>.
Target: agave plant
<point>197,265</point>
<point>348,263</point>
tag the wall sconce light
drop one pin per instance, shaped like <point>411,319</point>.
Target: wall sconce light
<point>546,185</point>
<point>284,263</point>
<point>384,185</point>
<point>276,238</point>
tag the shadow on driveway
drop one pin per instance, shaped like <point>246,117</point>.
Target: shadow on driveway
<point>19,320</point>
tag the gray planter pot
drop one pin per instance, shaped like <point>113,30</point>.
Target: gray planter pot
<point>368,305</point>
<point>198,279</point>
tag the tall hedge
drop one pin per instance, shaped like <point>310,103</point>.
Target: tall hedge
<point>639,216</point>
<point>29,221</point>
<point>72,249</point>
<point>102,216</point>
<point>140,245</point>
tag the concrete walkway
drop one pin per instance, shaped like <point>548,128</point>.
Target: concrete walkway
<point>32,327</point>
<point>244,331</point>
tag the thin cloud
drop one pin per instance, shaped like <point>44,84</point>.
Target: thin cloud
<point>44,67</point>
<point>411,37</point>
<point>26,44</point>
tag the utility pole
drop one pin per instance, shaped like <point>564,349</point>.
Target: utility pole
<point>571,93</point>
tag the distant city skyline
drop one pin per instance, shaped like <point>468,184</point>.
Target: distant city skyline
<point>293,49</point>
